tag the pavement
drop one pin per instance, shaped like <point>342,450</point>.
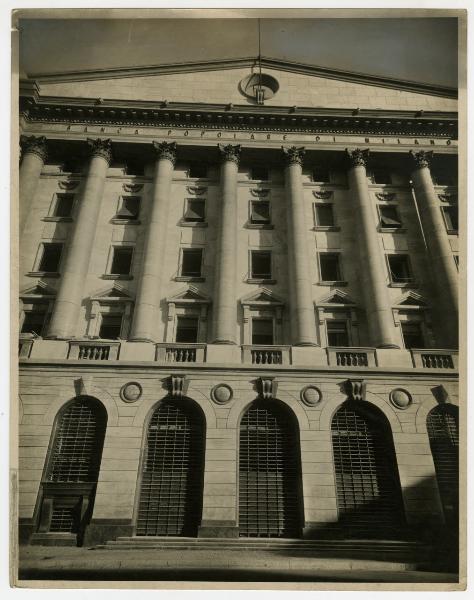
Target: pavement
<point>102,564</point>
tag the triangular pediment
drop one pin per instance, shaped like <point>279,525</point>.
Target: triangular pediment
<point>189,294</point>
<point>116,291</point>
<point>412,299</point>
<point>39,289</point>
<point>336,297</point>
<point>262,296</point>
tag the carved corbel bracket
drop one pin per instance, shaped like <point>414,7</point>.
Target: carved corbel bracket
<point>177,385</point>
<point>355,389</point>
<point>83,386</point>
<point>267,387</point>
<point>441,395</point>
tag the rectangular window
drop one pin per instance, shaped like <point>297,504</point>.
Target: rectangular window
<point>381,176</point>
<point>262,332</point>
<point>198,171</point>
<point>191,262</point>
<point>195,211</point>
<point>134,167</point>
<point>330,267</point>
<point>412,335</point>
<point>441,177</point>
<point>320,175</point>
<point>259,173</point>
<point>450,214</point>
<point>187,330</point>
<point>121,260</point>
<point>261,264</point>
<point>110,327</point>
<point>129,208</point>
<point>34,320</point>
<point>50,257</point>
<point>399,266</point>
<point>324,215</point>
<point>63,205</point>
<point>338,335</point>
<point>389,218</point>
<point>260,212</point>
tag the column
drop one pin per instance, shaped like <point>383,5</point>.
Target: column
<point>437,242</point>
<point>303,324</point>
<point>34,154</point>
<point>74,272</point>
<point>225,301</point>
<point>148,298</point>
<point>373,271</point>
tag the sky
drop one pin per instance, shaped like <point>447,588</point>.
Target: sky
<point>415,49</point>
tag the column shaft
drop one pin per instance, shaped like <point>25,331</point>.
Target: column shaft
<point>34,156</point>
<point>373,270</point>
<point>303,324</point>
<point>225,302</point>
<point>76,265</point>
<point>147,306</point>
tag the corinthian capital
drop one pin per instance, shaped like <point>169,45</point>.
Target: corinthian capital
<point>165,150</point>
<point>357,157</point>
<point>421,159</point>
<point>100,147</point>
<point>293,155</point>
<point>34,145</point>
<point>230,152</point>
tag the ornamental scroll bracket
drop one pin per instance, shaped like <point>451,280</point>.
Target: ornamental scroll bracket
<point>177,385</point>
<point>267,387</point>
<point>355,389</point>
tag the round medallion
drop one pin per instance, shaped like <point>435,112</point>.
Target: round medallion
<point>131,392</point>
<point>222,393</point>
<point>400,399</point>
<point>311,395</point>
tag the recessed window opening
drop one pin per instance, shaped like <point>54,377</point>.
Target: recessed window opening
<point>198,171</point>
<point>63,205</point>
<point>50,257</point>
<point>121,261</point>
<point>195,211</point>
<point>330,268</point>
<point>134,167</point>
<point>320,175</point>
<point>389,217</point>
<point>259,173</point>
<point>412,335</point>
<point>110,327</point>
<point>450,214</point>
<point>324,215</point>
<point>262,331</point>
<point>129,207</point>
<point>192,260</point>
<point>399,269</point>
<point>261,264</point>
<point>441,177</point>
<point>34,320</point>
<point>187,330</point>
<point>338,335</point>
<point>260,212</point>
<point>381,176</point>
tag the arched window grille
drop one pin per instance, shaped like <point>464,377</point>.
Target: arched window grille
<point>443,433</point>
<point>269,472</point>
<point>367,483</point>
<point>170,501</point>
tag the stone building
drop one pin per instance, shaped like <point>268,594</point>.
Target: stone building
<point>238,305</point>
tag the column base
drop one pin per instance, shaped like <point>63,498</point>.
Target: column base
<point>218,529</point>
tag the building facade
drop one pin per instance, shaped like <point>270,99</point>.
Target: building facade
<point>238,305</point>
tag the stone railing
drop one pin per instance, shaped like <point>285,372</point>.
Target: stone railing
<point>93,350</point>
<point>351,357</point>
<point>266,355</point>
<point>435,359</point>
<point>181,353</point>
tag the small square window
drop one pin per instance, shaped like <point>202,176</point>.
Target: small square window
<point>129,208</point>
<point>198,171</point>
<point>260,212</point>
<point>320,175</point>
<point>261,264</point>
<point>338,335</point>
<point>195,211</point>
<point>50,258</point>
<point>34,320</point>
<point>450,214</point>
<point>187,330</point>
<point>330,267</point>
<point>259,174</point>
<point>63,205</point>
<point>110,327</point>
<point>399,266</point>
<point>121,260</point>
<point>412,335</point>
<point>389,218</point>
<point>324,215</point>
<point>191,262</point>
<point>262,332</point>
<point>381,176</point>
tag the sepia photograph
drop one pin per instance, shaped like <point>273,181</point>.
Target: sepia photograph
<point>235,316</point>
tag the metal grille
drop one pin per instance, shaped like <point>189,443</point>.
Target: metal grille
<point>64,519</point>
<point>269,473</point>
<point>78,443</point>
<point>442,425</point>
<point>171,488</point>
<point>368,487</point>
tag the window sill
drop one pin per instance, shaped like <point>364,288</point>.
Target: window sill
<point>58,219</point>
<point>116,221</point>
<point>260,280</point>
<point>117,276</point>
<point>54,274</point>
<point>339,283</point>
<point>326,228</point>
<point>403,284</point>
<point>259,226</point>
<point>452,231</point>
<point>392,229</point>
<point>193,224</point>
<point>189,278</point>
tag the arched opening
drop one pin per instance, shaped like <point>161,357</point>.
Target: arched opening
<point>369,499</point>
<point>70,478</point>
<point>443,432</point>
<point>269,472</point>
<point>170,502</point>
